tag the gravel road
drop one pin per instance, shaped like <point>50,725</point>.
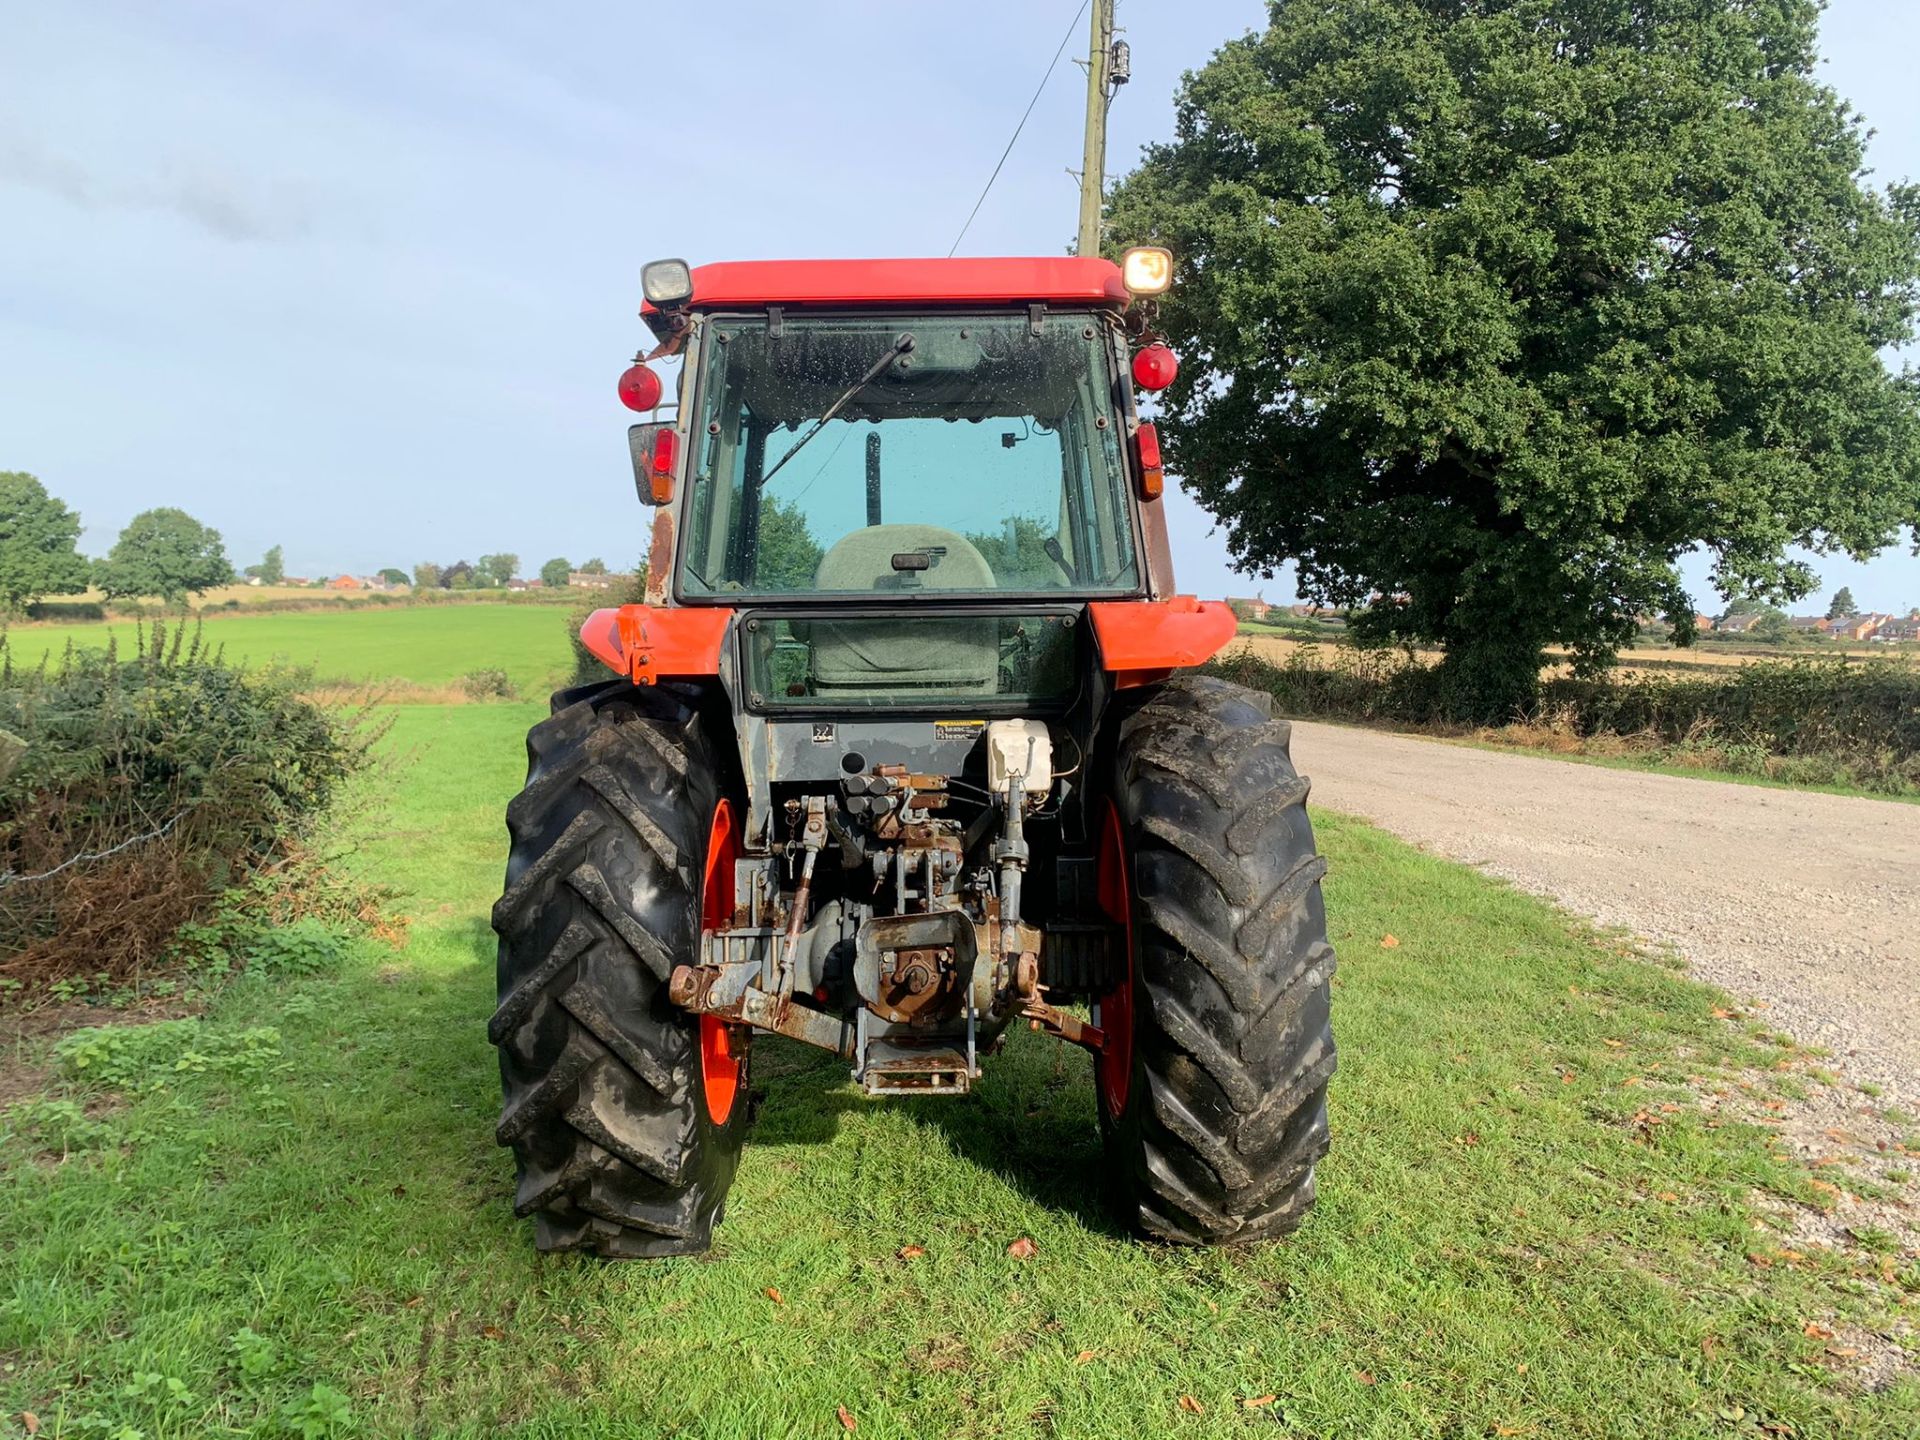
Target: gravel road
<point>1808,902</point>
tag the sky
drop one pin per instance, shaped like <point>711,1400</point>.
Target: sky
<point>358,278</point>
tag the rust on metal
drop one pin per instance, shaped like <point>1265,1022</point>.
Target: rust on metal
<point>1063,1025</point>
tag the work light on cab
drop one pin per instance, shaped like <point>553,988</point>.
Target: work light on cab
<point>639,388</point>
<point>666,282</point>
<point>1147,269</point>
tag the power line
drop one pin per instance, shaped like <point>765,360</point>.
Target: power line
<point>1052,65</point>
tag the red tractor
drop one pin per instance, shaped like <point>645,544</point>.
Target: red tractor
<point>902,751</point>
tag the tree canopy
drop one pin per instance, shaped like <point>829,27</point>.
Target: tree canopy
<point>1491,310</point>
<point>785,554</point>
<point>555,573</point>
<point>495,570</point>
<point>167,553</point>
<point>38,536</point>
<point>272,569</point>
<point>1843,606</point>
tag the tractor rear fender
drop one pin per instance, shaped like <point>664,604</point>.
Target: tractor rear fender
<point>1142,641</point>
<point>645,643</point>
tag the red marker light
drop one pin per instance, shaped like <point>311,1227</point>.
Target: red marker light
<point>1154,367</point>
<point>1146,454</point>
<point>639,388</point>
<point>665,450</point>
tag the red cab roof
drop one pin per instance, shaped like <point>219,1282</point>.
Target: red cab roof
<point>1060,280</point>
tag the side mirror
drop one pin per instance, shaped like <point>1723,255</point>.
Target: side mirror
<point>654,448</point>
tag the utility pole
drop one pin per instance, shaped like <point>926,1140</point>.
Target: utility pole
<point>1107,68</point>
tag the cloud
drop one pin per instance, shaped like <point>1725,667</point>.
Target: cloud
<point>221,205</point>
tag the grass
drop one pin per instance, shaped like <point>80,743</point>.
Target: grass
<point>1529,1225</point>
<point>423,646</point>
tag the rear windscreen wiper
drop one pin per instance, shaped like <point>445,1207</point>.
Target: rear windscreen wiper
<point>902,346</point>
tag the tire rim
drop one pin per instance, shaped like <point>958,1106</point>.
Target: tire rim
<point>721,1054</point>
<point>1115,1065</point>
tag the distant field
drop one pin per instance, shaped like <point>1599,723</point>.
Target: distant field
<point>420,645</point>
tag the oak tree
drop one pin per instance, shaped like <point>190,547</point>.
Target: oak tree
<point>1492,310</point>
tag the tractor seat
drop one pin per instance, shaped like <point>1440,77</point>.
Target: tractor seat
<point>876,657</point>
<point>863,560</point>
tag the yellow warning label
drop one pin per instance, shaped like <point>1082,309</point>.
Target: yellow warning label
<point>958,729</point>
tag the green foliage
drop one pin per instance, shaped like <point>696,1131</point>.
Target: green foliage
<point>306,947</point>
<point>141,1057</point>
<point>1842,607</point>
<point>142,788</point>
<point>495,570</point>
<point>316,1415</point>
<point>67,610</point>
<point>426,576</point>
<point>37,539</point>
<point>555,573</point>
<point>164,552</point>
<point>394,576</point>
<point>1019,559</point>
<point>786,556</point>
<point>257,1357</point>
<point>489,684</point>
<point>1772,626</point>
<point>271,570</point>
<point>1498,309</point>
<point>595,566</point>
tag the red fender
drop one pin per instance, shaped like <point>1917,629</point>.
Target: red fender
<point>646,643</point>
<point>1146,640</point>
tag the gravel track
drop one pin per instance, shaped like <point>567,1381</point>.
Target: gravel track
<point>1808,902</point>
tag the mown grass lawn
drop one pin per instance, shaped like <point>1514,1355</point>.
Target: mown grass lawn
<point>1516,1235</point>
<point>427,645</point>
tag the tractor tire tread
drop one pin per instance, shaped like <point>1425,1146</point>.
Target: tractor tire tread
<point>603,1102</point>
<point>1234,1049</point>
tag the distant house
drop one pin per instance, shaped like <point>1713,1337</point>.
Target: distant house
<point>346,582</point>
<point>1898,628</point>
<point>1703,622</point>
<point>294,580</point>
<point>1736,624</point>
<point>1818,624</point>
<point>581,580</point>
<point>518,584</point>
<point>1254,609</point>
<point>1859,627</point>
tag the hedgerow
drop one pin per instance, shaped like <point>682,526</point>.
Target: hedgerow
<point>1806,720</point>
<point>136,791</point>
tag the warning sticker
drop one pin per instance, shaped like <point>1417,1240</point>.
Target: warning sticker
<point>958,729</point>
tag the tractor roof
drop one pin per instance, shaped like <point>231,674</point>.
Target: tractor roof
<point>1058,280</point>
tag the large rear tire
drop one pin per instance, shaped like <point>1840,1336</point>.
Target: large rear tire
<point>1213,1093</point>
<point>625,1118</point>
